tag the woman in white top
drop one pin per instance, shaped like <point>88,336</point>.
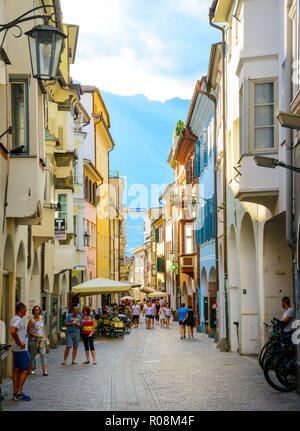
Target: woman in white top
<point>37,338</point>
<point>162,315</point>
<point>149,313</point>
<point>168,315</point>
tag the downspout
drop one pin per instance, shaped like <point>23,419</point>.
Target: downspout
<point>290,187</point>
<point>211,16</point>
<point>214,100</point>
<point>288,137</point>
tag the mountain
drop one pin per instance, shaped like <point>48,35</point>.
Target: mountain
<point>142,131</point>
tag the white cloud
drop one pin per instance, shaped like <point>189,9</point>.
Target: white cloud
<point>196,9</point>
<point>124,54</point>
<point>126,75</point>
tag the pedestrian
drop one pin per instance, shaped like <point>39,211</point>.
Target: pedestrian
<point>289,314</point>
<point>136,311</point>
<point>153,312</point>
<point>157,305</point>
<point>168,315</point>
<point>87,332</point>
<point>182,314</point>
<point>37,339</point>
<point>162,315</point>
<point>73,323</point>
<point>20,353</point>
<point>190,321</point>
<point>149,314</point>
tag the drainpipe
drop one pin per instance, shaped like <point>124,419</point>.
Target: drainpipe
<point>214,101</point>
<point>211,16</point>
<point>290,190</point>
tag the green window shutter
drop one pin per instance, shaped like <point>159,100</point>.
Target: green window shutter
<point>156,235</point>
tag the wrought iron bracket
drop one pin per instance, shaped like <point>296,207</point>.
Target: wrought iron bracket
<point>24,18</point>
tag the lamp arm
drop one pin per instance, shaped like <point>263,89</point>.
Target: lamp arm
<point>24,18</point>
<point>291,168</point>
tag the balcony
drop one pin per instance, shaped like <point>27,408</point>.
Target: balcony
<point>187,264</point>
<point>45,231</point>
<point>25,191</point>
<point>63,174</point>
<point>256,184</point>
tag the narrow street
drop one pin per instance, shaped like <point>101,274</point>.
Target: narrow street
<point>153,371</point>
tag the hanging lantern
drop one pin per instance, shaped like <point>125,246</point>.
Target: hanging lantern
<point>45,46</point>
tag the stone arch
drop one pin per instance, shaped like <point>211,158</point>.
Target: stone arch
<point>277,268</point>
<point>184,294</point>
<point>35,282</point>
<point>20,274</point>
<point>212,278</point>
<point>234,289</point>
<point>8,255</point>
<point>64,292</point>
<point>249,295</point>
<point>204,300</point>
<point>56,285</point>
<point>35,267</point>
<point>204,291</point>
<point>46,284</point>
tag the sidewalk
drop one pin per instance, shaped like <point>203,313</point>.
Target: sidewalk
<point>154,370</point>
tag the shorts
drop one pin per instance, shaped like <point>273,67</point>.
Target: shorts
<point>135,317</point>
<point>22,360</point>
<point>149,316</point>
<point>182,323</point>
<point>73,340</point>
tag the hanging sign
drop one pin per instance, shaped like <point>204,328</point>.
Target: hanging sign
<point>60,229</point>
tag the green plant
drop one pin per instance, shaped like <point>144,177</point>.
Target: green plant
<point>179,127</point>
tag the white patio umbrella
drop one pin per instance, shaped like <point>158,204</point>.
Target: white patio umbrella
<point>157,294</point>
<point>102,286</point>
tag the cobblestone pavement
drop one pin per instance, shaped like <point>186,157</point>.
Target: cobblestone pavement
<point>153,370</point>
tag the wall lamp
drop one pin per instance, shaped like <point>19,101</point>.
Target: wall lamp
<point>269,162</point>
<point>45,43</point>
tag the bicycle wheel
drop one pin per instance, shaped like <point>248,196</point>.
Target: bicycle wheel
<point>271,348</point>
<point>286,372</point>
<point>270,373</point>
<point>262,353</point>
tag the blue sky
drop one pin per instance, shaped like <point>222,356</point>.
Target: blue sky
<point>155,48</point>
<point>127,47</point>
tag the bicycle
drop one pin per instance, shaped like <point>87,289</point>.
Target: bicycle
<point>3,354</point>
<point>280,364</point>
<point>273,343</point>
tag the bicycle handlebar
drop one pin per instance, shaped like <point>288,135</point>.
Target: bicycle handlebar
<point>5,346</point>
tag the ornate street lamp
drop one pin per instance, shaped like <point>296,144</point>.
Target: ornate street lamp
<point>45,46</point>
<point>45,43</point>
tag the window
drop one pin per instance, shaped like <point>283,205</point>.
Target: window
<point>188,238</point>
<point>94,193</point>
<point>75,170</point>
<point>263,111</point>
<point>90,198</point>
<point>263,107</point>
<point>19,113</point>
<point>75,230</point>
<point>62,199</point>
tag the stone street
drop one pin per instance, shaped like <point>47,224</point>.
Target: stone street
<point>153,370</point>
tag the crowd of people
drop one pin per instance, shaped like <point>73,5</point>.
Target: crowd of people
<point>30,341</point>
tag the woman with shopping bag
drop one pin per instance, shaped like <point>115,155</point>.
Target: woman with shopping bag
<point>37,339</point>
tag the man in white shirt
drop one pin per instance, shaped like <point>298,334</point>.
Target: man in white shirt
<point>20,353</point>
<point>289,314</point>
<point>136,311</point>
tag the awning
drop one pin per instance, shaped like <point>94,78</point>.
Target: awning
<point>147,289</point>
<point>102,286</point>
<point>157,294</point>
